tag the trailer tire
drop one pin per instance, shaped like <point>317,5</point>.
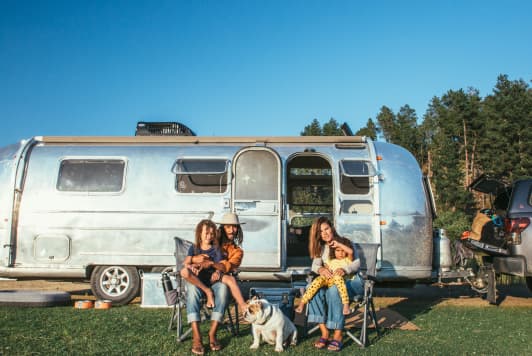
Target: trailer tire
<point>119,284</point>
<point>33,298</point>
<point>529,284</point>
<point>164,269</point>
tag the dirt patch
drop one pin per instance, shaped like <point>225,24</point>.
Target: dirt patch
<point>77,290</point>
<point>503,301</point>
<point>455,295</point>
<point>74,287</point>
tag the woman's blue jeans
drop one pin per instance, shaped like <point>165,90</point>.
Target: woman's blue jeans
<point>194,295</point>
<point>326,306</point>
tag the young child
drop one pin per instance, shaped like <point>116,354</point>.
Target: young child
<point>338,258</point>
<point>206,243</point>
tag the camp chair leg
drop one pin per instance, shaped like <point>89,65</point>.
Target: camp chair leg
<point>314,328</point>
<point>237,321</point>
<point>369,313</point>
<point>173,319</point>
<point>354,338</point>
<point>179,326</point>
<point>232,325</point>
<point>374,317</point>
<point>362,339</point>
<point>182,337</point>
<point>364,332</point>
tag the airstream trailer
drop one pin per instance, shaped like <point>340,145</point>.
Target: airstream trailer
<point>104,208</point>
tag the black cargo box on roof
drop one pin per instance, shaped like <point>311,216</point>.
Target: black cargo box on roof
<point>162,129</point>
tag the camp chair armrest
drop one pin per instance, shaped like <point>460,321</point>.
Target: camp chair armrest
<point>234,273</point>
<point>371,278</point>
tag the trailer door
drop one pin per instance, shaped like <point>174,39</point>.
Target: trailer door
<point>257,201</point>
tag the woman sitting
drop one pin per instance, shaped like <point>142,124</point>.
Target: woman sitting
<point>326,308</point>
<point>338,259</point>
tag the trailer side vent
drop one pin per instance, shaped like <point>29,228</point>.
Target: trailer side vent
<point>162,129</point>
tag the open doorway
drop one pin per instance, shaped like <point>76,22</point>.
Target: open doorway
<point>310,194</point>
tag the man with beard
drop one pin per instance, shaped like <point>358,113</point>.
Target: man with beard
<point>231,238</point>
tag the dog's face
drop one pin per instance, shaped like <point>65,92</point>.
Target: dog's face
<point>254,310</point>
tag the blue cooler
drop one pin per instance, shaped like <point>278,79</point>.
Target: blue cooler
<point>283,297</point>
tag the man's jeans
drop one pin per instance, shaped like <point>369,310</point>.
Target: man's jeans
<point>326,306</point>
<point>194,295</point>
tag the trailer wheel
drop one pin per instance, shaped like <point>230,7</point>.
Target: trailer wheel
<point>166,269</point>
<point>119,284</point>
<point>529,283</point>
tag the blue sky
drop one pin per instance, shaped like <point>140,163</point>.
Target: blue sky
<point>245,68</point>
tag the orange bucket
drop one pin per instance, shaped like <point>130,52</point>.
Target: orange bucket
<point>84,304</point>
<point>102,304</point>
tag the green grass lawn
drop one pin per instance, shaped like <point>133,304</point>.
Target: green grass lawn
<point>487,330</point>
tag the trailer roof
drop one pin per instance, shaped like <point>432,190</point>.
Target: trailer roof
<point>200,139</point>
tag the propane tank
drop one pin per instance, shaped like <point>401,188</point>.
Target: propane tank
<point>442,251</point>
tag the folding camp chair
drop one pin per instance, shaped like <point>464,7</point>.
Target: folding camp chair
<point>367,253</point>
<point>177,297</point>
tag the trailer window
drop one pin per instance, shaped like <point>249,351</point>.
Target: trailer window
<point>82,175</point>
<point>355,176</point>
<point>257,176</point>
<point>201,175</point>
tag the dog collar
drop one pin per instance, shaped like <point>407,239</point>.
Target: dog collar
<point>268,317</point>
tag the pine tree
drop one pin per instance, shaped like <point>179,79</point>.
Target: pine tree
<point>445,122</point>
<point>314,129</point>
<point>332,128</point>
<point>507,137</point>
<point>387,126</point>
<point>406,131</point>
<point>370,130</point>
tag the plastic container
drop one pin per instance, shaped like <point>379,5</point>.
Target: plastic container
<point>102,304</point>
<point>84,304</point>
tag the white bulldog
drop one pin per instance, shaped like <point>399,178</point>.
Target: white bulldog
<point>268,321</point>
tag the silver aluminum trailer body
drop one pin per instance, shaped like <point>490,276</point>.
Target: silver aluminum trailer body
<point>105,207</point>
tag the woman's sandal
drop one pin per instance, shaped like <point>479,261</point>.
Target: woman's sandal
<point>335,345</point>
<point>321,343</point>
